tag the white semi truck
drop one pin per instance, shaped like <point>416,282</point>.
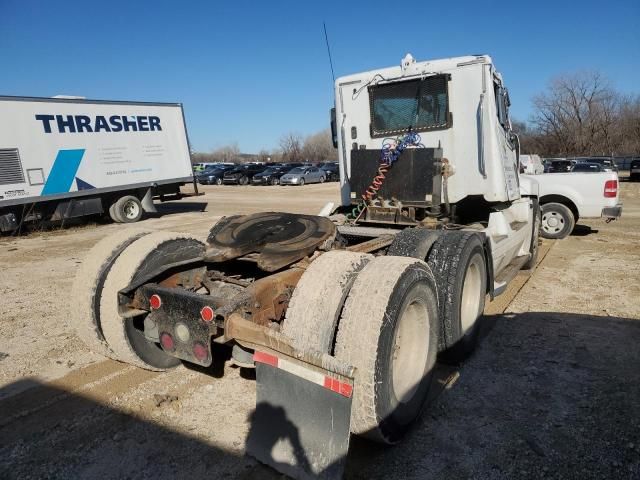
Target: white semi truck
<point>343,315</point>
<point>65,157</point>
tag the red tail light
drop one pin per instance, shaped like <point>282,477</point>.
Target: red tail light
<point>155,302</point>
<point>610,189</point>
<point>200,351</point>
<point>166,340</point>
<point>207,314</point>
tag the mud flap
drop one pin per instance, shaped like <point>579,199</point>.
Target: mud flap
<point>300,426</point>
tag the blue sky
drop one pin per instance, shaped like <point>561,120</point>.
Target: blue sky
<point>248,72</point>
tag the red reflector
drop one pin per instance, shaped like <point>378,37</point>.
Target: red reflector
<point>200,351</point>
<point>610,188</point>
<point>207,314</point>
<point>166,340</point>
<point>262,357</point>
<point>337,386</point>
<point>155,302</point>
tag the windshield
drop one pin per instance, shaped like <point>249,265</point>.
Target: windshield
<point>298,170</point>
<point>418,105</point>
<point>272,170</point>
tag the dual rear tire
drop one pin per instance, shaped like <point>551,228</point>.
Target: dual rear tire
<point>110,266</point>
<point>127,209</point>
<point>385,310</point>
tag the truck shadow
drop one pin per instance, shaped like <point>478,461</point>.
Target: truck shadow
<point>172,208</point>
<point>545,394</point>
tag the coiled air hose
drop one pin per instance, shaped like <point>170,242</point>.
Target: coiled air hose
<point>391,150</point>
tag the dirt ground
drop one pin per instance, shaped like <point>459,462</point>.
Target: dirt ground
<point>553,390</point>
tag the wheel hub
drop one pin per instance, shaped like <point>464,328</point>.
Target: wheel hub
<point>552,222</point>
<point>410,350</point>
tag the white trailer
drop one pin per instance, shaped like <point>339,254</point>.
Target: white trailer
<point>63,158</point>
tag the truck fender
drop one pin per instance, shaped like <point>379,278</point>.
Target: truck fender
<point>488,258</point>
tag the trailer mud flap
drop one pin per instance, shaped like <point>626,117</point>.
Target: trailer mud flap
<point>300,426</point>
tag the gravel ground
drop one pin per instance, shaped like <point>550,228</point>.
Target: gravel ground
<point>552,391</point>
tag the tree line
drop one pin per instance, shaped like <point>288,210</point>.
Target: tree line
<point>292,147</point>
<point>581,114</point>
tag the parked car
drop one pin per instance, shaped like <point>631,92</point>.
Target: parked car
<point>634,171</point>
<point>589,167</point>
<point>213,175</point>
<point>531,164</point>
<point>302,175</point>
<point>559,166</point>
<point>332,170</point>
<point>242,174</point>
<point>605,162</point>
<point>271,176</point>
<point>567,197</point>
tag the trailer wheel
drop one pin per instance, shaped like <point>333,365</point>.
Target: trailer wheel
<point>389,331</point>
<point>125,335</point>
<point>458,262</point>
<point>314,308</point>
<point>535,237</point>
<point>88,285</point>
<point>127,209</point>
<point>557,221</point>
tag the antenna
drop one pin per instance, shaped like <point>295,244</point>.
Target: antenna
<point>326,39</point>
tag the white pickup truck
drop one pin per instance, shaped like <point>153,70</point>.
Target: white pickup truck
<point>566,197</point>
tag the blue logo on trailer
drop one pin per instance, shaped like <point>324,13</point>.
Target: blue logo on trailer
<point>63,172</point>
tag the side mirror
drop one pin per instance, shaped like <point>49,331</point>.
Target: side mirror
<point>334,129</point>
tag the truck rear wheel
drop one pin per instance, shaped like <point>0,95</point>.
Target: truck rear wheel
<point>314,308</point>
<point>125,336</point>
<point>88,284</point>
<point>413,242</point>
<point>457,260</point>
<point>127,209</point>
<point>557,221</point>
<point>389,331</point>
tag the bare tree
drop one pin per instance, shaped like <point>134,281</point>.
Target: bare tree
<point>629,126</point>
<point>227,153</point>
<point>576,116</point>
<point>291,147</point>
<point>319,148</point>
<point>264,156</point>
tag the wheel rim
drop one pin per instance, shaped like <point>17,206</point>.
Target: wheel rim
<point>302,181</point>
<point>131,209</point>
<point>471,294</point>
<point>552,222</point>
<point>410,350</point>
<point>219,181</point>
